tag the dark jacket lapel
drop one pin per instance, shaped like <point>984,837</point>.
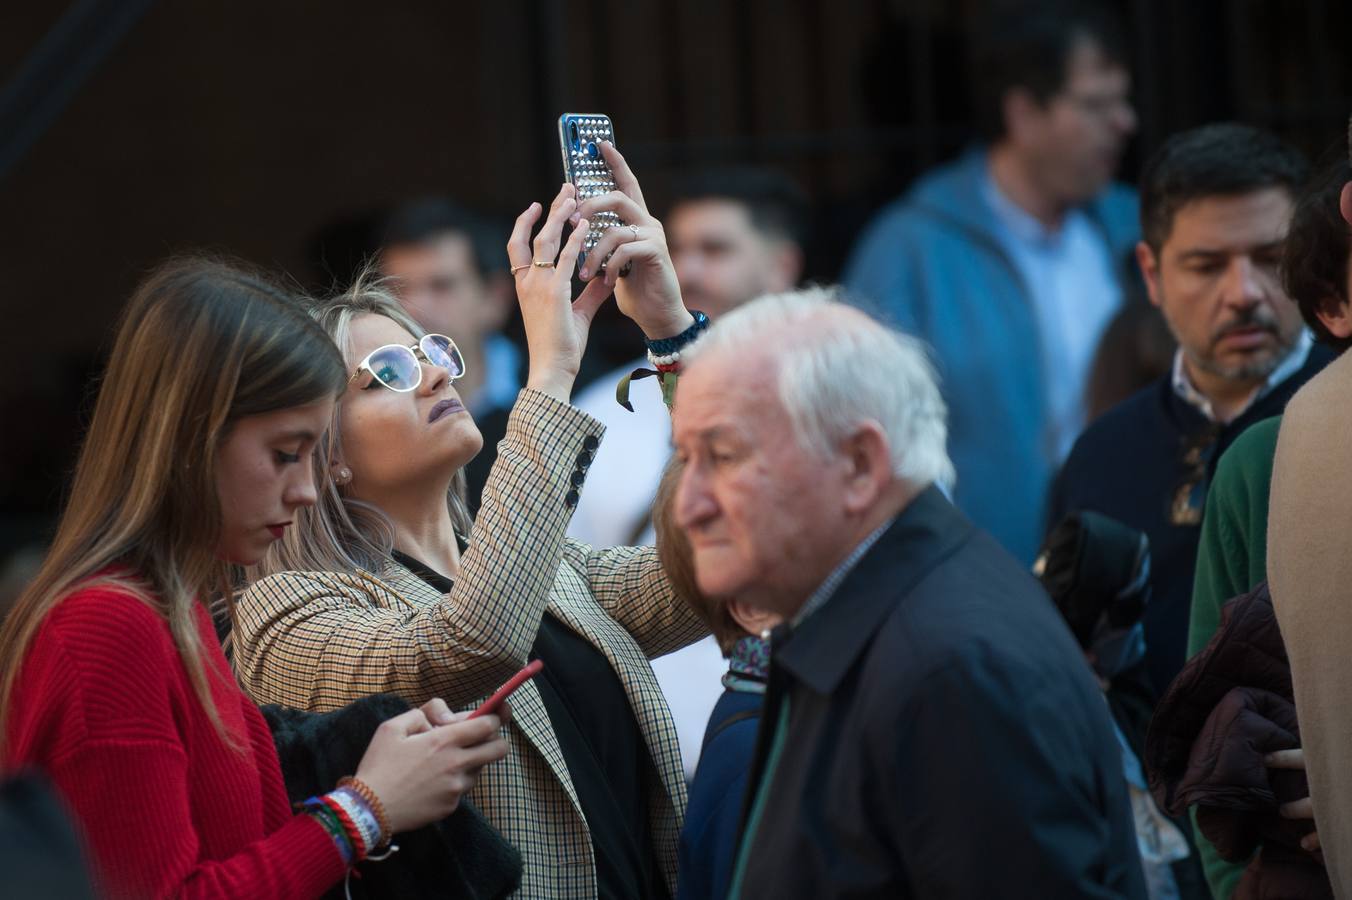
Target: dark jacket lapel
<point>821,650</point>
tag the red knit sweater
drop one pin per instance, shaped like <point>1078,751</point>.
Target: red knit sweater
<point>104,706</point>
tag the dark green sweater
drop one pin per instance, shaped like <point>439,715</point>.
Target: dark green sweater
<point>1231,560</point>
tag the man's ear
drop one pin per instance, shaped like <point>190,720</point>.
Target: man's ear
<point>1335,314</point>
<point>867,457</point>
<point>1345,203</point>
<point>1150,270</point>
<point>1023,115</point>
<point>753,620</point>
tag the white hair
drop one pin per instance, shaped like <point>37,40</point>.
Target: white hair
<point>838,368</point>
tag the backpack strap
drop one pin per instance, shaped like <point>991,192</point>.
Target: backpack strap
<point>743,716</point>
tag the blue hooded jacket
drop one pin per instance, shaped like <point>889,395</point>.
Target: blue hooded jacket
<point>932,265</point>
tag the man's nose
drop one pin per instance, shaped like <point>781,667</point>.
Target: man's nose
<point>1126,117</point>
<point>1243,287</point>
<point>694,503</point>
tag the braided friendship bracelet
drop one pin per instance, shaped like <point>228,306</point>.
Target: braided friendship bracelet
<point>350,829</point>
<point>361,815</point>
<point>667,346</point>
<point>361,789</point>
<point>321,813</point>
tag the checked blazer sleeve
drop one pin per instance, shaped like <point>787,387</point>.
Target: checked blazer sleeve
<point>320,640</point>
<point>630,585</point>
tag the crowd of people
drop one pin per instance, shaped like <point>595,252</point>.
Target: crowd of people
<point>896,588</point>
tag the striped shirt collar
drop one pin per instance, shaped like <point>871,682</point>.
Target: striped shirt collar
<point>822,594</point>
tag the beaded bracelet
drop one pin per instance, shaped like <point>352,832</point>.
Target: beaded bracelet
<point>377,808</point>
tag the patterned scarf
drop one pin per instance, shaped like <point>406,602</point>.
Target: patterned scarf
<point>749,666</point>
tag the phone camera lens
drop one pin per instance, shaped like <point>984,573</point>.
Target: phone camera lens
<point>592,150</point>
<point>572,132</point>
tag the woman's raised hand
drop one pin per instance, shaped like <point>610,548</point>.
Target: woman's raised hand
<point>556,326</point>
<point>640,270</point>
<point>420,768</point>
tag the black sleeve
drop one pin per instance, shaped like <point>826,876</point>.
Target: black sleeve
<point>1000,795</point>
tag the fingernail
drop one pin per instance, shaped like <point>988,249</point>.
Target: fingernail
<point>584,274</point>
<point>574,219</point>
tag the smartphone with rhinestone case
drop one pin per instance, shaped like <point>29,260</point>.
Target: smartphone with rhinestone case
<point>580,137</point>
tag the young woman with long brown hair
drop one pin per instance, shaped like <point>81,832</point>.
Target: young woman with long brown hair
<point>111,678</point>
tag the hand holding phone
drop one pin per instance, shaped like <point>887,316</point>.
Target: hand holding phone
<point>493,703</point>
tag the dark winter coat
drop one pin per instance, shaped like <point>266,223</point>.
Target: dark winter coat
<point>1230,706</point>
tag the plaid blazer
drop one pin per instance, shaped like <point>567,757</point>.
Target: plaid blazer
<point>320,640</point>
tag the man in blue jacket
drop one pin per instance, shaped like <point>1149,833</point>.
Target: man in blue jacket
<point>1010,261</point>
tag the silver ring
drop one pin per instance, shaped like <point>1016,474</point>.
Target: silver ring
<point>634,229</point>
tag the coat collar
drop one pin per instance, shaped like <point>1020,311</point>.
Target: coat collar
<point>821,650</point>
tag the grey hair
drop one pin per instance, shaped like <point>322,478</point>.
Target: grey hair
<point>837,368</point>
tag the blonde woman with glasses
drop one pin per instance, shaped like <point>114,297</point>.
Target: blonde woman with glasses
<point>384,585</point>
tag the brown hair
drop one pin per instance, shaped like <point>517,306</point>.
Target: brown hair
<point>1317,247</point>
<point>200,345</point>
<point>673,549</point>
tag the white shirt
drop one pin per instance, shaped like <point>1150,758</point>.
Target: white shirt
<point>615,509</point>
<point>1188,392</point>
<point>1073,283</point>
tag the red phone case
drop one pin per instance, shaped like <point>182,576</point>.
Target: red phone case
<point>501,694</point>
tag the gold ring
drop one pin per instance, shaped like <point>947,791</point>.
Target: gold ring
<point>516,269</point>
<point>543,263</point>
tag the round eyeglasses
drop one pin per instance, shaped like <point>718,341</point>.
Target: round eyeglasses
<point>399,367</point>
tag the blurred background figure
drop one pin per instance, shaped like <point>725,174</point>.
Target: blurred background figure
<point>1010,261</point>
<point>448,269</point>
<point>735,234</point>
<point>1136,349</point>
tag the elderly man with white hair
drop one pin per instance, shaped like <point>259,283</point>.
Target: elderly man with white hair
<point>930,727</point>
